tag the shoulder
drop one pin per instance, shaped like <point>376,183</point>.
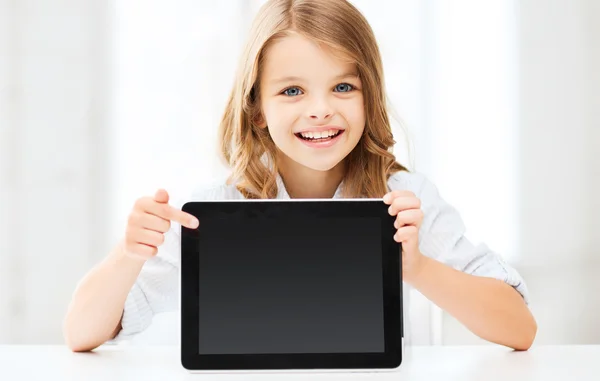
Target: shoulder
<point>209,191</point>
<point>220,191</point>
<point>434,206</point>
<point>415,182</point>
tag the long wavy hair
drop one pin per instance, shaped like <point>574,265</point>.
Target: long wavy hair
<point>249,150</point>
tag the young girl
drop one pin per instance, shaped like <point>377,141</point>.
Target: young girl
<point>307,119</point>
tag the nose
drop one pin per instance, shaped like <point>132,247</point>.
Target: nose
<point>320,109</point>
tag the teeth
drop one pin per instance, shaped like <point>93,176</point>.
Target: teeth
<point>319,135</point>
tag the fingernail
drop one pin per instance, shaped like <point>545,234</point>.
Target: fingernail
<point>194,223</point>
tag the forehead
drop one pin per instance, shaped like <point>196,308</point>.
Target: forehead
<point>296,55</point>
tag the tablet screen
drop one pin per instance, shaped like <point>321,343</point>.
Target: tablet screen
<point>290,286</point>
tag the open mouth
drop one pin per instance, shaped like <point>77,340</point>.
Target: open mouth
<point>322,136</point>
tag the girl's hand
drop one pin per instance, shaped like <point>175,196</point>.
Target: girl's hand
<point>409,217</point>
<point>150,219</point>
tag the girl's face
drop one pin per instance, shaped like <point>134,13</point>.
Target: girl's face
<point>311,103</point>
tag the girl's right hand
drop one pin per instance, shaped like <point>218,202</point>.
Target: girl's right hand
<point>150,218</point>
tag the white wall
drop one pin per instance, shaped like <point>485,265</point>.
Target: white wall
<point>593,97</point>
<point>560,105</point>
<point>6,170</point>
<point>558,174</point>
<point>557,86</point>
<point>53,154</point>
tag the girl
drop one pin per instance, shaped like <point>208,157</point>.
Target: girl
<point>307,119</point>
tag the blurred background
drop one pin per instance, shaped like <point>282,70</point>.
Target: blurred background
<point>102,102</point>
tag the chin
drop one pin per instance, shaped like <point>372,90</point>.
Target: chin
<point>320,168</point>
<point>314,160</point>
<point>323,165</point>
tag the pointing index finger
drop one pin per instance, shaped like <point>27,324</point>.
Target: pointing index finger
<point>170,213</point>
<point>186,219</point>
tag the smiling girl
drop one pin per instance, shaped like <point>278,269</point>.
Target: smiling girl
<point>307,119</point>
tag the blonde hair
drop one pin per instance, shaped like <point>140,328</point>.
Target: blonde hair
<point>338,25</point>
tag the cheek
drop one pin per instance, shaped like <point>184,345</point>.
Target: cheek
<point>279,117</point>
<point>269,112</point>
<point>354,113</point>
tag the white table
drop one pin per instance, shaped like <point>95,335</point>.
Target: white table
<point>421,363</point>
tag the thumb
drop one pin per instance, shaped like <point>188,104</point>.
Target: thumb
<point>161,196</point>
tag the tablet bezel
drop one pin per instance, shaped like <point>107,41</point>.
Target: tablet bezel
<point>391,358</point>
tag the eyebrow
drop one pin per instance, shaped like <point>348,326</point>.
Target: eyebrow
<point>296,79</point>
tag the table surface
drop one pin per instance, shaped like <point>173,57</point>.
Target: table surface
<point>462,363</point>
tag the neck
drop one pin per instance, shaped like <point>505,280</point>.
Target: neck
<point>304,182</point>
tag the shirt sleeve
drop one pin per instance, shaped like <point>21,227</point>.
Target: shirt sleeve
<point>442,237</point>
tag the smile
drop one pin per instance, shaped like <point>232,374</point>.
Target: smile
<point>320,139</point>
<point>319,136</point>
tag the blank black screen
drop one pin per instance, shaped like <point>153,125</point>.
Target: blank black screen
<point>291,286</point>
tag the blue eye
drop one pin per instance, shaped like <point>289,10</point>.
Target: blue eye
<point>292,91</point>
<point>344,87</point>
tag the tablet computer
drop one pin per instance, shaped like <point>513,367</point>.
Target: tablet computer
<point>291,285</point>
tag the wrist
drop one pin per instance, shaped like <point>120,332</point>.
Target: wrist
<point>417,268</point>
<point>124,259</point>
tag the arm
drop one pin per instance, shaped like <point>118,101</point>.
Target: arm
<point>488,307</point>
<point>119,297</point>
<point>94,314</point>
<point>471,283</point>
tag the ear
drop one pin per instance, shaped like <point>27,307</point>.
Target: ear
<point>260,121</point>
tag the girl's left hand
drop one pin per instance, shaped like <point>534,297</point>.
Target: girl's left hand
<point>409,217</point>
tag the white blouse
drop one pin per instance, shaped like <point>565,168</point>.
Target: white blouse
<point>441,237</point>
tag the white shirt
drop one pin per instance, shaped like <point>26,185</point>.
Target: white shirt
<point>441,237</point>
